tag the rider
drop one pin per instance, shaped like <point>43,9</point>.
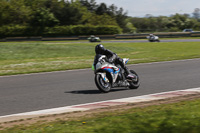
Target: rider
<point>112,58</point>
<point>151,36</point>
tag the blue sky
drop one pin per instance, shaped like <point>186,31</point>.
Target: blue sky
<point>139,8</point>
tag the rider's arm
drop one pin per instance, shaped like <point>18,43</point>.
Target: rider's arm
<point>110,55</point>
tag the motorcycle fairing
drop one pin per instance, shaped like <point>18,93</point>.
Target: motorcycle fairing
<point>125,60</point>
<point>108,68</point>
<point>103,75</point>
<point>111,70</point>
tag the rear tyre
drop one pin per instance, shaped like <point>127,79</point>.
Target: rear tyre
<point>134,84</point>
<point>101,84</point>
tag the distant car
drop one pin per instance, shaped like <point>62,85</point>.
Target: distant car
<point>187,30</point>
<point>93,38</point>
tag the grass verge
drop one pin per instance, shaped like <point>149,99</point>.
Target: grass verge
<point>181,117</point>
<point>26,57</point>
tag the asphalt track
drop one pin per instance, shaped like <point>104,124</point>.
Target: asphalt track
<point>31,92</point>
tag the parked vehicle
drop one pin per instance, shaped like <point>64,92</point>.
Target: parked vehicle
<point>109,75</point>
<point>93,38</point>
<point>153,38</point>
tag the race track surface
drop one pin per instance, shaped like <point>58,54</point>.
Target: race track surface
<point>24,93</point>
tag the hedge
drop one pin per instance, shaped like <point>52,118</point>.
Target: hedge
<point>23,31</point>
<point>81,30</point>
<point>12,31</point>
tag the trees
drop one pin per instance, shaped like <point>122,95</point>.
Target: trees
<point>174,23</point>
<point>38,15</point>
<point>57,12</point>
<point>178,22</point>
<point>90,5</point>
<point>14,12</point>
<point>101,20</point>
<point>121,18</point>
<point>196,13</point>
<point>68,14</point>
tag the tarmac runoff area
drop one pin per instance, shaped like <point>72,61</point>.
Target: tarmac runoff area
<point>98,105</point>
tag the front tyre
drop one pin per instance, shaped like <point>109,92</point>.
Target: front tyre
<point>101,84</point>
<point>135,83</point>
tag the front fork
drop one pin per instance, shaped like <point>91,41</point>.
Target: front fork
<point>103,75</point>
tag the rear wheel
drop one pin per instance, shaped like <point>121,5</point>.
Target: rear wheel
<point>101,84</point>
<point>134,83</point>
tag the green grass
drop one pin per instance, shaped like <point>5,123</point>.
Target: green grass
<point>31,57</point>
<point>182,117</point>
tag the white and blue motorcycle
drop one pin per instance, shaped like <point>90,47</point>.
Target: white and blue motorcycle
<point>109,75</point>
<point>153,38</point>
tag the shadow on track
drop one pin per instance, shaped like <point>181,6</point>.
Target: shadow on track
<point>94,91</point>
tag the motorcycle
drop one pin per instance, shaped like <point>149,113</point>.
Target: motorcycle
<point>108,75</point>
<point>153,38</point>
<point>94,39</point>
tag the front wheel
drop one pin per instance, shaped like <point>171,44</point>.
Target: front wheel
<point>135,83</point>
<point>101,84</point>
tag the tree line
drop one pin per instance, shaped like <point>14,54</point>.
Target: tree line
<point>174,23</point>
<point>82,17</point>
<point>39,15</point>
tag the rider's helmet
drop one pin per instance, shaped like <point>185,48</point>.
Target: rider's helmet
<point>99,49</point>
<point>150,34</point>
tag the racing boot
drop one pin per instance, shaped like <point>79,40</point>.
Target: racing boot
<point>130,76</point>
